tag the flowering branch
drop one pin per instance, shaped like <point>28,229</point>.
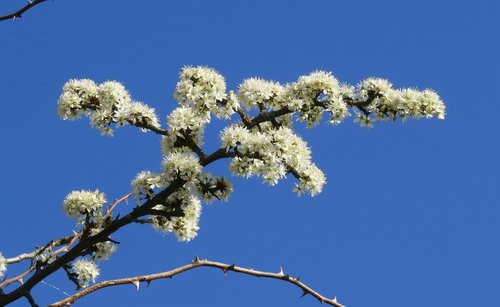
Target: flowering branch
<point>263,144</point>
<point>306,290</point>
<point>18,14</point>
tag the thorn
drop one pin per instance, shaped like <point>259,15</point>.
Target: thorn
<point>136,283</point>
<point>196,259</point>
<point>304,293</point>
<point>21,281</point>
<point>113,241</point>
<point>335,299</point>
<point>281,273</point>
<point>229,268</point>
<point>148,282</point>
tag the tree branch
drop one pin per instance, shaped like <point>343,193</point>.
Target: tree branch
<point>18,14</point>
<point>31,300</point>
<point>67,241</point>
<point>84,243</point>
<point>109,211</point>
<point>140,211</point>
<point>193,265</point>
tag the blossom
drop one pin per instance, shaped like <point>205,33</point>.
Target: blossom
<point>311,181</point>
<point>104,250</point>
<point>310,90</point>
<point>310,87</point>
<point>233,135</point>
<point>145,182</point>
<point>181,166</point>
<point>338,111</point>
<point>202,88</point>
<point>86,271</point>
<point>264,146</point>
<point>3,266</point>
<point>186,226</point>
<point>136,113</point>
<point>105,104</point>
<point>377,85</point>
<point>184,121</point>
<point>79,204</point>
<point>272,154</point>
<point>364,120</point>
<point>75,94</point>
<point>112,94</point>
<point>256,91</point>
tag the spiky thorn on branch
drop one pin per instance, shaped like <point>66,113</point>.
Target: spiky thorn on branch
<point>19,13</point>
<point>196,263</point>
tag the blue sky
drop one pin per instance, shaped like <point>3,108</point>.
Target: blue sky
<point>410,215</point>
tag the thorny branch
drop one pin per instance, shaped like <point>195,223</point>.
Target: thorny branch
<point>18,13</point>
<point>306,290</point>
<point>65,242</point>
<point>85,243</point>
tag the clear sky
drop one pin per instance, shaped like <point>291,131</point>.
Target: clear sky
<point>409,217</point>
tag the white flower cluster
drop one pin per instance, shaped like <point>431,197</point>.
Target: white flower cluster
<point>3,266</point>
<point>183,166</point>
<point>311,181</point>
<point>259,92</point>
<point>204,89</point>
<point>318,85</point>
<point>79,204</point>
<point>185,227</point>
<point>272,154</point>
<point>264,146</point>
<point>180,212</point>
<point>75,94</point>
<point>86,271</point>
<point>138,114</point>
<point>389,103</point>
<point>378,85</point>
<point>185,120</point>
<point>104,104</point>
<point>145,183</point>
<point>104,250</point>
<point>301,96</point>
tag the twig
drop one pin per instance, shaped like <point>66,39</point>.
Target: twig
<point>18,14</point>
<point>30,299</point>
<point>19,278</point>
<point>109,211</point>
<point>67,241</point>
<point>193,265</point>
